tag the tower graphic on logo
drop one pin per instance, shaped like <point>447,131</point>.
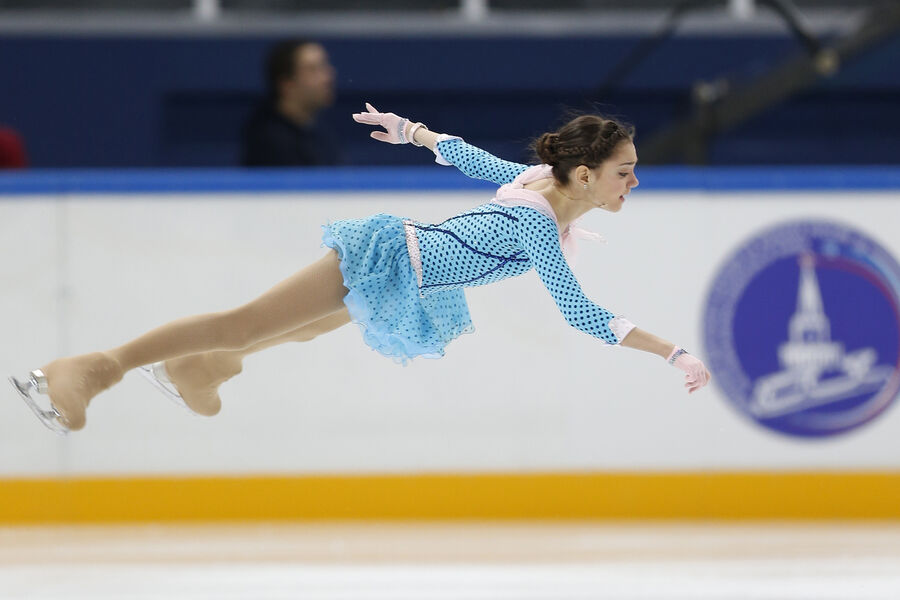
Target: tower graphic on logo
<point>802,329</point>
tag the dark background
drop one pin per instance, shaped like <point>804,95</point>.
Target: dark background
<point>169,100</point>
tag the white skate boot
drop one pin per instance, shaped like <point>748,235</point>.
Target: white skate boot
<point>37,383</point>
<point>157,375</point>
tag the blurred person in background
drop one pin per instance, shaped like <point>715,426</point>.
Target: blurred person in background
<point>12,149</point>
<point>284,131</point>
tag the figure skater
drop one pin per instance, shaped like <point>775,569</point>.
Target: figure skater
<point>401,280</point>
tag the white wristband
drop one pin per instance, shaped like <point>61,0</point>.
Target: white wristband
<point>411,134</point>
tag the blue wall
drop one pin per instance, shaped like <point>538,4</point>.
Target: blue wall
<point>170,101</point>
<point>431,178</point>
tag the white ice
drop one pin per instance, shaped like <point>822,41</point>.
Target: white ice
<point>441,561</point>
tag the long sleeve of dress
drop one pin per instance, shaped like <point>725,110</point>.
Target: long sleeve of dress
<point>540,239</point>
<point>477,163</point>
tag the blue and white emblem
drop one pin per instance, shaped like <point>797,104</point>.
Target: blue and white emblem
<point>802,328</point>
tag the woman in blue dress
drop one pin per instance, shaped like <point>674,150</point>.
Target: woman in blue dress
<point>401,280</point>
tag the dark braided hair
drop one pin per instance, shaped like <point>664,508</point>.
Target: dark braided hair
<point>585,140</point>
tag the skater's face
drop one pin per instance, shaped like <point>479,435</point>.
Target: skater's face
<point>608,184</point>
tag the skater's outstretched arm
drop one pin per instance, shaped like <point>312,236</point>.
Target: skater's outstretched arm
<point>473,161</point>
<point>696,373</point>
<point>539,236</point>
<point>449,150</point>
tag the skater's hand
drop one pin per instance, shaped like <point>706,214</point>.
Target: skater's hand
<point>398,128</point>
<point>697,375</point>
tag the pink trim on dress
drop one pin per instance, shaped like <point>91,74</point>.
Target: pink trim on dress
<point>515,194</point>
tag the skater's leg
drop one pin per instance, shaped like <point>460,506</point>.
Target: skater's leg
<point>197,377</point>
<point>308,332</point>
<point>307,296</point>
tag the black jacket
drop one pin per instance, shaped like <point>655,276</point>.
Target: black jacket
<point>271,140</point>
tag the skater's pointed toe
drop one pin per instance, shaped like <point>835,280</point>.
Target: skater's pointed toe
<point>208,405</point>
<point>69,383</point>
<point>203,401</point>
<point>159,377</point>
<point>193,381</point>
<point>70,413</point>
<point>73,420</point>
<point>34,385</point>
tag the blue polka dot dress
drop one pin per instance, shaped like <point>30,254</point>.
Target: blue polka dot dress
<point>406,278</point>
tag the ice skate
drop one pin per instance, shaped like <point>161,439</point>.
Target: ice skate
<point>37,383</point>
<point>156,374</point>
<point>193,381</point>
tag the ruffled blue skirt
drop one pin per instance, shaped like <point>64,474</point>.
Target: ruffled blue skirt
<point>384,295</point>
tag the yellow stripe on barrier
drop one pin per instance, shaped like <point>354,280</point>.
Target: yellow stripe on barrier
<point>736,495</point>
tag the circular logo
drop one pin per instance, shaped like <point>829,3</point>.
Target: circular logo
<point>802,328</point>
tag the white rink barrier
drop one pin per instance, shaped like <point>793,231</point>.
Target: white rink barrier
<point>526,392</point>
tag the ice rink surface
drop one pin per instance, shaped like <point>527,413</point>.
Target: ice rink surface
<point>460,561</point>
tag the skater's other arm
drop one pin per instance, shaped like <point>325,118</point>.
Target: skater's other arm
<point>448,150</point>
<point>472,160</point>
<point>647,342</point>
<point>539,236</point>
<point>540,239</point>
<point>696,373</point>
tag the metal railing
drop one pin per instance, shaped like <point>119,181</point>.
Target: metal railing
<point>407,17</point>
<point>470,10</point>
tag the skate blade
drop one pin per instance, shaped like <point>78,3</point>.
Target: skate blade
<point>50,417</point>
<point>168,390</point>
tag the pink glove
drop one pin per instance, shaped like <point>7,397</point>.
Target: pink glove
<point>396,127</point>
<point>697,374</point>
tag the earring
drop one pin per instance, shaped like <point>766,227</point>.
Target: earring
<point>585,186</point>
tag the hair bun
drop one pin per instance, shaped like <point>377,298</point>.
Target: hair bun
<point>546,149</point>
<point>586,140</point>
